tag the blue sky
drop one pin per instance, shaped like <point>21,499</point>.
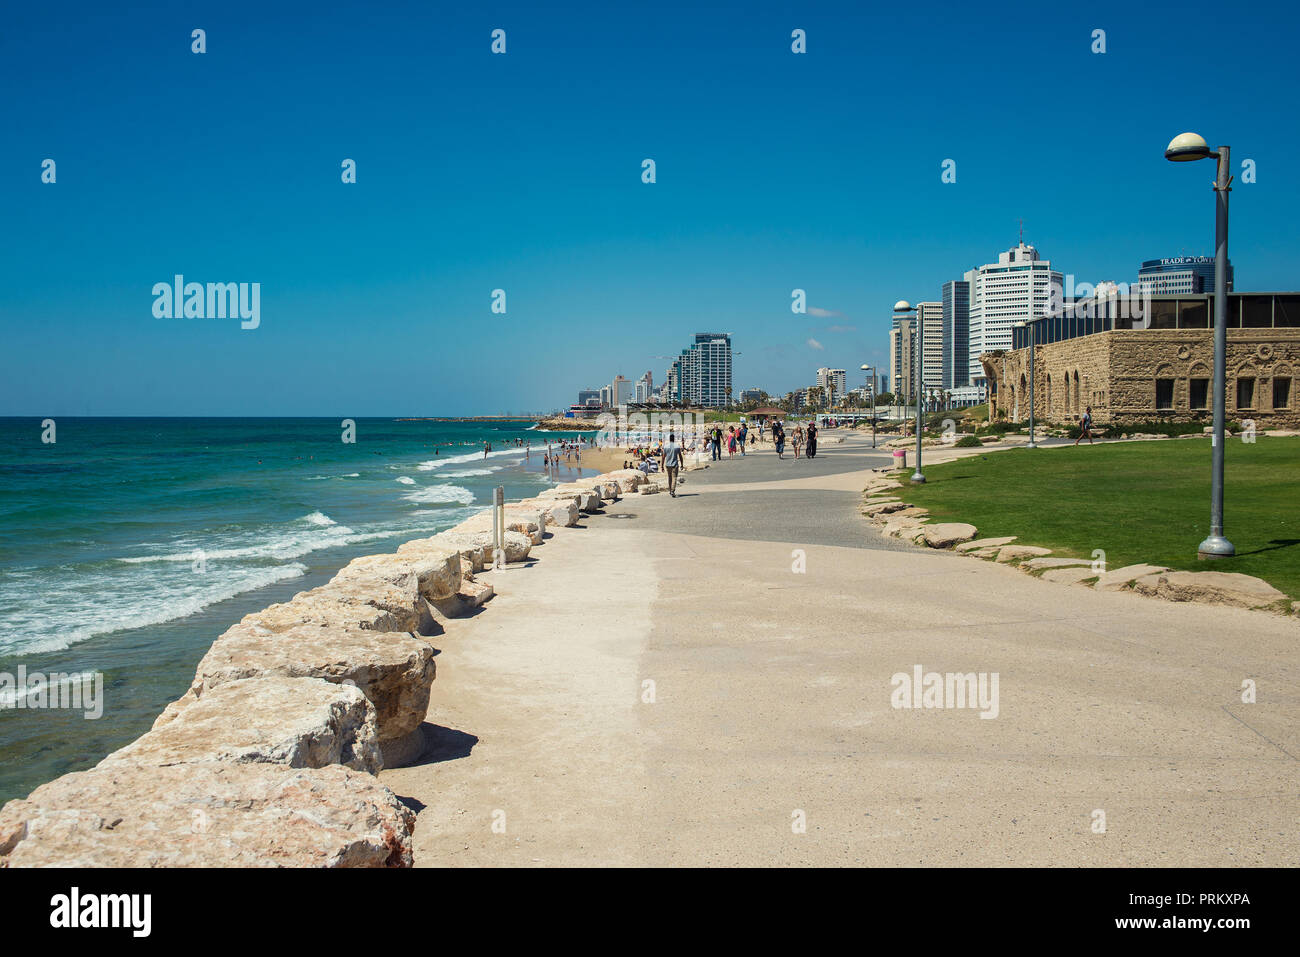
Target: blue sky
<point>523,172</point>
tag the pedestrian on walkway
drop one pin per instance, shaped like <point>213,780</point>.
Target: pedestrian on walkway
<point>731,442</point>
<point>778,439</point>
<point>742,436</point>
<point>670,457</point>
<point>797,439</point>
<point>812,441</point>
<point>717,443</point>
<point>1085,426</point>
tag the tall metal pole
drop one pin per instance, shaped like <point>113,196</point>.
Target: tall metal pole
<point>917,477</point>
<point>1217,546</point>
<point>1033,389</point>
<point>873,407</point>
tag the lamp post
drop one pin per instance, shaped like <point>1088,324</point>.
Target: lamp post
<point>903,306</point>
<point>872,371</point>
<point>1185,147</point>
<point>1033,394</point>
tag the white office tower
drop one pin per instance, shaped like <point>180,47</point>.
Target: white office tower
<point>929,315</point>
<point>834,382</point>
<point>1016,288</point>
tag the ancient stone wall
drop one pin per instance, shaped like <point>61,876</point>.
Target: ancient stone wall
<point>1152,375</point>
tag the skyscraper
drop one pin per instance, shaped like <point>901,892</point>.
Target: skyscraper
<point>902,346</point>
<point>701,375</point>
<point>1016,288</point>
<point>930,319</point>
<point>956,334</point>
<point>714,351</point>
<point>1180,274</point>
<point>833,381</point>
<point>620,391</point>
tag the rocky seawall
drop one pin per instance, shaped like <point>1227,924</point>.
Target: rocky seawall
<point>270,757</point>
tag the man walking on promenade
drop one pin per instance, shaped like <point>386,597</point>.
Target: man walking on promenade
<point>717,444</point>
<point>742,435</point>
<point>1085,426</point>
<point>778,439</point>
<point>671,459</point>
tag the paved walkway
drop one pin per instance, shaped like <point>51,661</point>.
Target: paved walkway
<point>772,691</point>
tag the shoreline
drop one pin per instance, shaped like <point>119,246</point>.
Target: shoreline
<point>337,679</point>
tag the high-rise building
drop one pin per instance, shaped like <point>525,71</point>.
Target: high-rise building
<point>701,375</point>
<point>588,397</point>
<point>833,381</point>
<point>902,349</point>
<point>956,334</point>
<point>1017,288</point>
<point>929,316</point>
<point>606,397</point>
<point>714,350</point>
<point>672,391</point>
<point>1180,274</point>
<point>620,390</point>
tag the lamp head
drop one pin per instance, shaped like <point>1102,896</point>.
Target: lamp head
<point>1187,146</point>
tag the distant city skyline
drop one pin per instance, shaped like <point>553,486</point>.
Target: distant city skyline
<point>500,228</point>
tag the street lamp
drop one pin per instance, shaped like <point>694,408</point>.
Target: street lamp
<point>872,371</point>
<point>1033,394</point>
<point>918,358</point>
<point>1183,148</point>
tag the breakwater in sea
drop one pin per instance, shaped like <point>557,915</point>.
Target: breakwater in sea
<point>270,756</point>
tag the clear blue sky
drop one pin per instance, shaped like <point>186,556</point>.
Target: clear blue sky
<point>523,171</point>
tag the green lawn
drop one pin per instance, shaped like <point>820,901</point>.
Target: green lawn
<point>1138,501</point>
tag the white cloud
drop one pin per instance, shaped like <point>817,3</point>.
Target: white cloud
<point>822,313</point>
<point>814,344</point>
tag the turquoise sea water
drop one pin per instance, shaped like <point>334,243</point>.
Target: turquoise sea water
<point>128,545</point>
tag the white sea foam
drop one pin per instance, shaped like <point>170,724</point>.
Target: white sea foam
<point>471,457</point>
<point>406,480</point>
<point>436,494</point>
<point>9,697</point>
<point>38,626</point>
<point>470,473</point>
<point>294,539</point>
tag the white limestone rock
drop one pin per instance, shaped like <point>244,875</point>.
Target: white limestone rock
<point>299,722</point>
<point>216,814</point>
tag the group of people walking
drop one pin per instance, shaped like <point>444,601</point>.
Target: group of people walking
<point>671,455</point>
<point>800,440</point>
<point>734,438</point>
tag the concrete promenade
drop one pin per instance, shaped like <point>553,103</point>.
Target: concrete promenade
<point>772,701</point>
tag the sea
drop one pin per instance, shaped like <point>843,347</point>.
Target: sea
<point>128,545</point>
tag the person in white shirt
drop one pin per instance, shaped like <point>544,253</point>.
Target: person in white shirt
<point>670,457</point>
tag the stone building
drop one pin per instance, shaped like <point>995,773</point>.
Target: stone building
<point>1157,367</point>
